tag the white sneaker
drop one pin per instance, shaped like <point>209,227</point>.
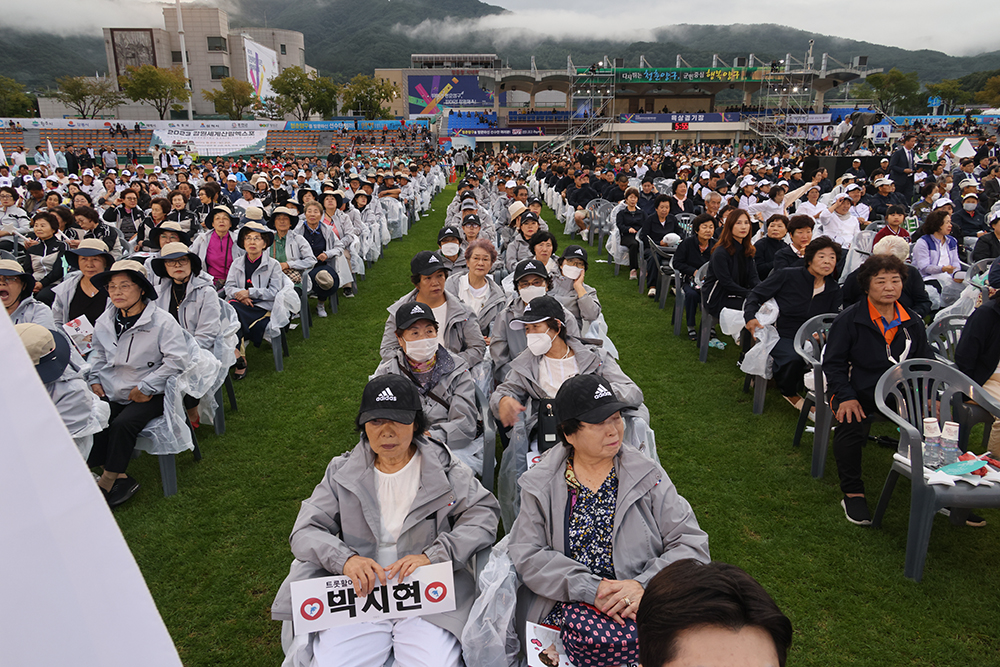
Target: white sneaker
<point>651,292</point>
<point>585,234</point>
<point>320,311</point>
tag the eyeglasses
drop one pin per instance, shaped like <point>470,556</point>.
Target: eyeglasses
<point>176,262</point>
<point>124,287</point>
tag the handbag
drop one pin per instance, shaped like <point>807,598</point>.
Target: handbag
<point>592,639</point>
<point>294,275</point>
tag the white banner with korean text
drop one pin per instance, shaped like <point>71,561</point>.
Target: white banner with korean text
<point>329,602</point>
<point>214,143</point>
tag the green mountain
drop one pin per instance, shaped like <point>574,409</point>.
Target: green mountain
<point>344,37</point>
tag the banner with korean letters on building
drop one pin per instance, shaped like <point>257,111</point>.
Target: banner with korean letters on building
<point>213,143</point>
<point>329,602</point>
<point>262,66</point>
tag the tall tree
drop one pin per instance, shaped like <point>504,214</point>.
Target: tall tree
<point>234,99</point>
<point>163,89</point>
<point>951,93</point>
<point>366,95</point>
<point>87,96</point>
<point>14,102</point>
<point>892,91</point>
<point>990,94</point>
<point>325,96</point>
<point>293,90</point>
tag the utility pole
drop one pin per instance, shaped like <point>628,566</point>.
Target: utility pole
<point>184,60</point>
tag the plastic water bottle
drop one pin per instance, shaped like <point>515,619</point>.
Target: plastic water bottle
<point>932,443</point>
<point>949,443</point>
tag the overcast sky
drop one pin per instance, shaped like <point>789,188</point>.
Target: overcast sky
<point>927,24</point>
<point>916,24</point>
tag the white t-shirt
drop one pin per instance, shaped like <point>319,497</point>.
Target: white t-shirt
<point>553,372</point>
<point>470,296</point>
<point>441,315</point>
<point>396,492</point>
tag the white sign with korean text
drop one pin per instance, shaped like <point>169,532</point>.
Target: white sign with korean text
<point>329,602</point>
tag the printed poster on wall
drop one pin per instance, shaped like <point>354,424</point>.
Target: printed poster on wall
<point>213,143</point>
<point>262,65</point>
<point>433,94</point>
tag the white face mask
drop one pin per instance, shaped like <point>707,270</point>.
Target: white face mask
<point>539,343</point>
<point>450,249</point>
<point>935,196</point>
<point>970,206</point>
<point>421,350</point>
<point>529,293</point>
<point>571,272</point>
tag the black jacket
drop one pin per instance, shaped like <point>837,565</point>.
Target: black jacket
<point>629,220</point>
<point>786,257</point>
<point>914,295</point>
<point>987,247</point>
<point>689,257</point>
<point>653,230</point>
<point>855,356</point>
<point>676,207</point>
<point>767,250</point>
<point>978,351</point>
<point>582,196</point>
<point>965,224</point>
<point>728,275</point>
<point>792,289</point>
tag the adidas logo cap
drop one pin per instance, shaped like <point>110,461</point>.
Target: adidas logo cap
<point>391,397</point>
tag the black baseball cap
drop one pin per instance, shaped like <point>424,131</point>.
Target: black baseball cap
<point>472,220</point>
<point>391,397</point>
<point>425,263</point>
<point>539,309</point>
<point>588,398</point>
<point>574,252</point>
<point>530,215</point>
<point>529,267</point>
<point>451,231</point>
<point>414,311</point>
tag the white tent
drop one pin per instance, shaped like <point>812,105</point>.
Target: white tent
<point>960,147</point>
<point>73,593</point>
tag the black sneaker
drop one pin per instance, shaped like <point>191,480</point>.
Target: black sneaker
<point>123,489</point>
<point>974,521</point>
<point>856,509</point>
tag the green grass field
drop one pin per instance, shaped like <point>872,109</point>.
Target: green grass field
<point>214,554</point>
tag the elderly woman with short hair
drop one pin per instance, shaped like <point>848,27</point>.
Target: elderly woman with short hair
<point>77,296</point>
<point>476,288</point>
<point>188,295</point>
<point>137,349</point>
<point>598,520</point>
<point>397,501</point>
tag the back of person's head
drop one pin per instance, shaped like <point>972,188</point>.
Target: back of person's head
<point>892,245</point>
<point>688,595</point>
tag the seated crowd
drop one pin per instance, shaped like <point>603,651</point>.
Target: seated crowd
<point>500,328</point>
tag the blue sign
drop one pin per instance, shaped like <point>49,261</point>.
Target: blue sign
<point>934,101</point>
<point>321,125</point>
<point>501,132</point>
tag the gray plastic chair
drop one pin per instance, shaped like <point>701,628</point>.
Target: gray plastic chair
<point>706,319</point>
<point>977,270</point>
<point>642,264</point>
<point>677,319</point>
<point>220,411</point>
<point>684,221</point>
<point>927,388</point>
<point>665,274</point>
<point>489,440</point>
<point>943,336</point>
<point>809,342</point>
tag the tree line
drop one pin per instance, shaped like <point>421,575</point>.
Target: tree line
<point>297,93</point>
